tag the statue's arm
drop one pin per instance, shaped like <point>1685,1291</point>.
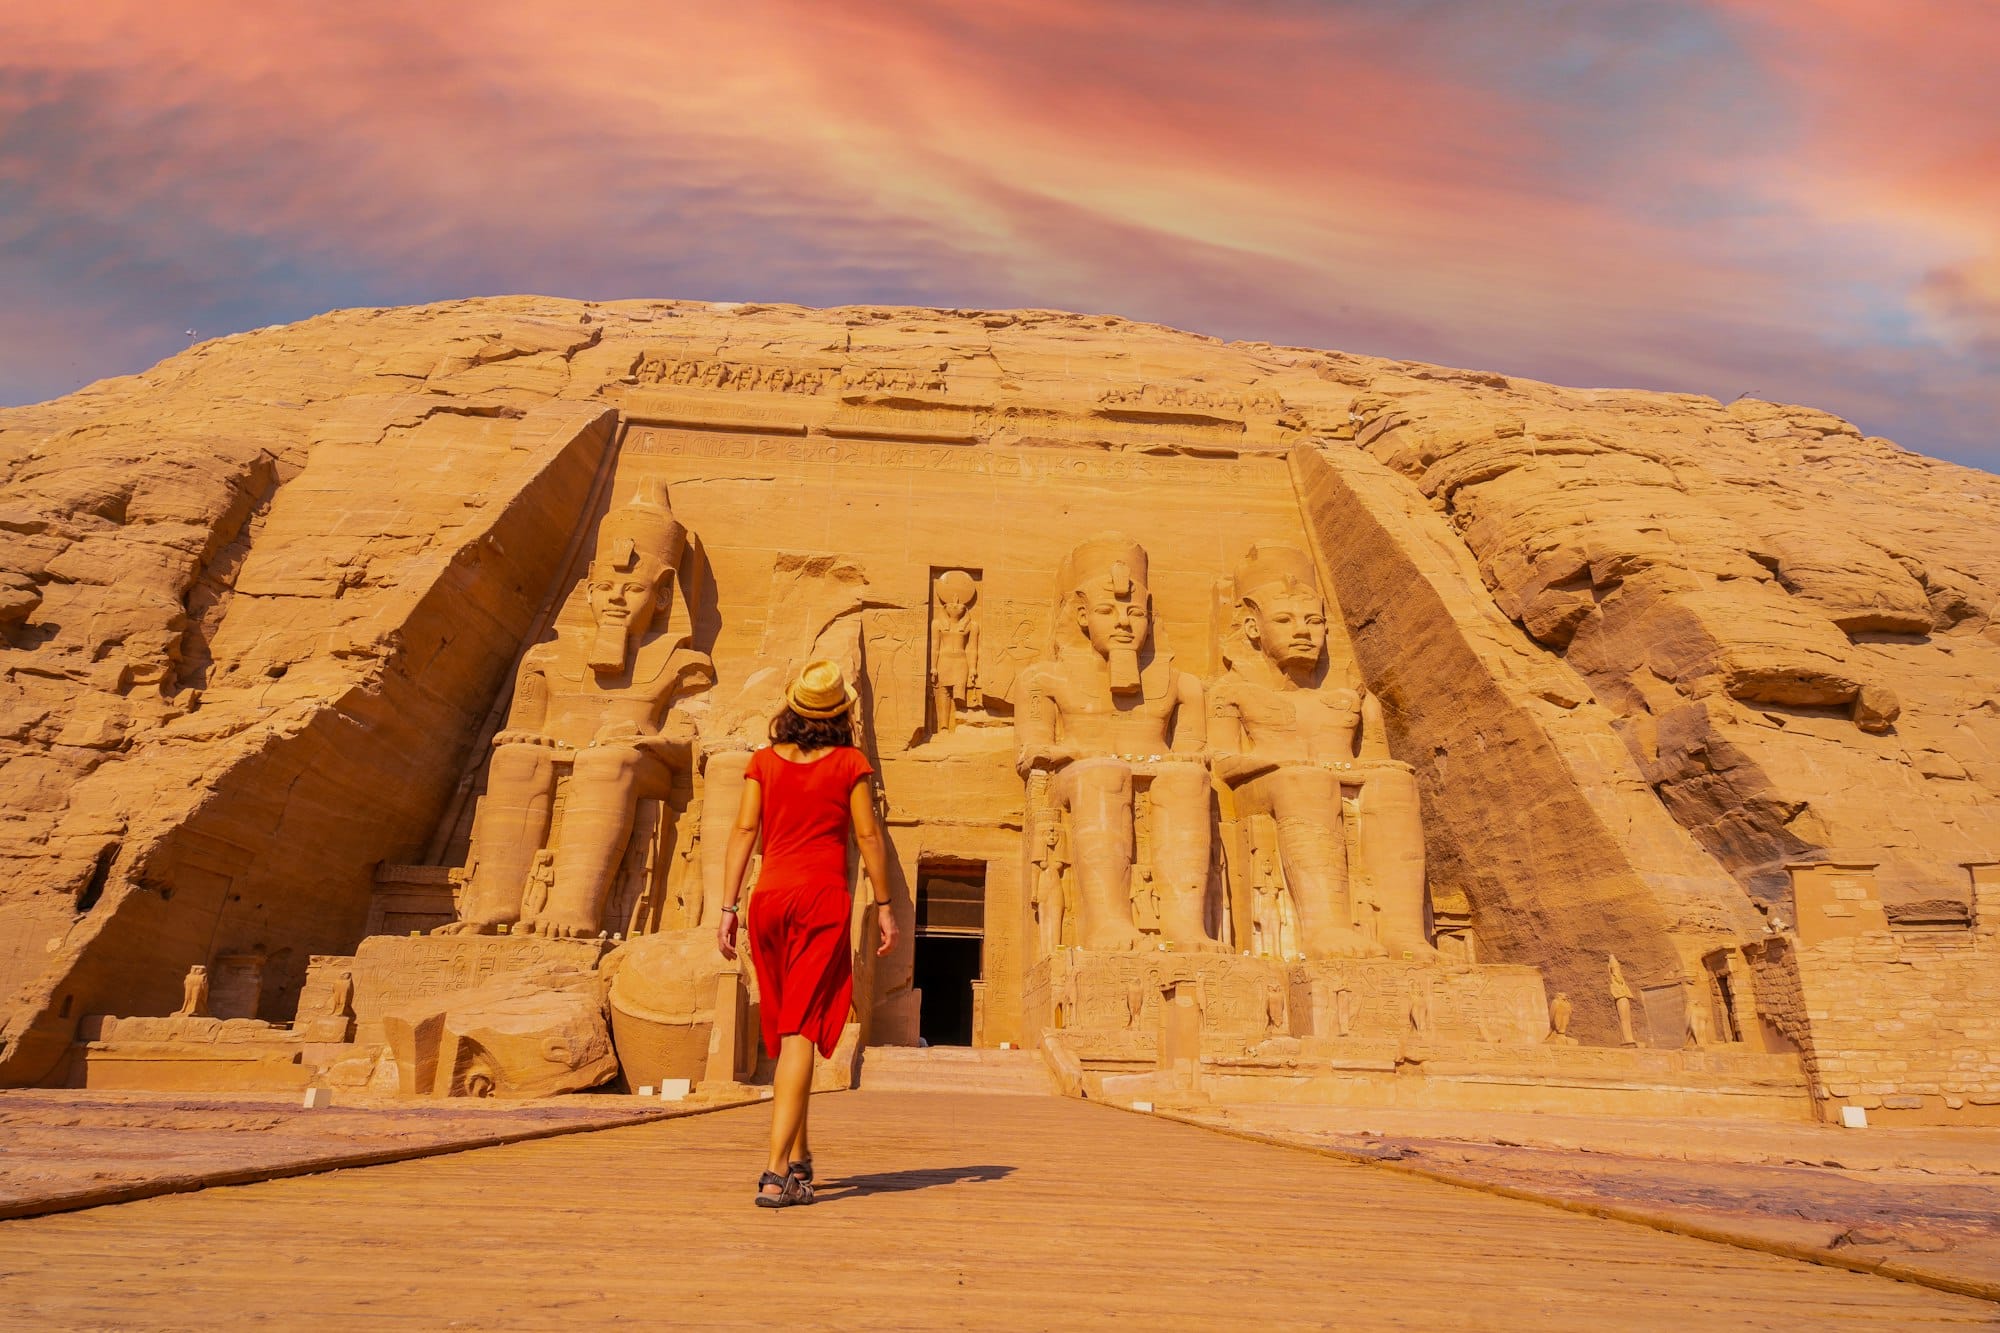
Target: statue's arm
<point>971,654</point>
<point>1231,751</point>
<point>1035,725</point>
<point>528,712</point>
<point>1372,740</point>
<point>1190,717</point>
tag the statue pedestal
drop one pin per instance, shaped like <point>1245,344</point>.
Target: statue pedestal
<point>1394,999</point>
<point>391,971</point>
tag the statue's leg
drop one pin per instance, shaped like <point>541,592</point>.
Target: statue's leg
<point>721,794</point>
<point>604,791</point>
<point>509,827</point>
<point>1306,805</point>
<point>1181,854</point>
<point>1098,795</point>
<point>1392,846</point>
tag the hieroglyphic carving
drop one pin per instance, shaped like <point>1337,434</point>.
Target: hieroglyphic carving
<point>695,373</point>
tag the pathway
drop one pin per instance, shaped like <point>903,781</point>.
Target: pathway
<point>942,1209</point>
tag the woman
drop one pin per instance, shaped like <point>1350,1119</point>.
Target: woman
<point>803,793</point>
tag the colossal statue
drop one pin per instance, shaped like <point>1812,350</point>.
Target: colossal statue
<point>1290,742</point>
<point>1104,719</point>
<point>599,703</point>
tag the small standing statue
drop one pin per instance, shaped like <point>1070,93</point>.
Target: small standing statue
<point>1048,899</point>
<point>1266,939</point>
<point>954,648</point>
<point>1559,1012</point>
<point>194,994</point>
<point>1275,1019</point>
<point>1135,1000</point>
<point>1621,995</point>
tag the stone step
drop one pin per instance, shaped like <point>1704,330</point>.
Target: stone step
<point>954,1069</point>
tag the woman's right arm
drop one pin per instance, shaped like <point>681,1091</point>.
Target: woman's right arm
<point>742,841</point>
<point>874,858</point>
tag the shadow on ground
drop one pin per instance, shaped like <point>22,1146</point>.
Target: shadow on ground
<point>899,1182</point>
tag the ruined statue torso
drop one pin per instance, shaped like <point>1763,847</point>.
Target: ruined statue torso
<point>1090,720</point>
<point>1288,723</point>
<point>576,704</point>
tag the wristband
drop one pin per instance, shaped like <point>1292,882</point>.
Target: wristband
<point>887,902</point>
<point>729,908</point>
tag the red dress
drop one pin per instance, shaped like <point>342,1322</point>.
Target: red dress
<point>800,909</point>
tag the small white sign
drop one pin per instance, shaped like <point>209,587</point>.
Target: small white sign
<point>675,1089</point>
<point>317,1099</point>
<point>645,1089</point>
<point>1853,1117</point>
<point>1142,1106</point>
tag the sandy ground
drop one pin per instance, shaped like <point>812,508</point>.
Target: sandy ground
<point>69,1148</point>
<point>1926,1198</point>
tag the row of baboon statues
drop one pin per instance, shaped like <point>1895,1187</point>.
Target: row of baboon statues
<point>1295,757</point>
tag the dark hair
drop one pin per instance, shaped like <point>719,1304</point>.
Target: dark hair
<point>812,733</point>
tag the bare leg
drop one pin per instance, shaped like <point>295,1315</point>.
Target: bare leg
<point>1098,793</point>
<point>1392,844</point>
<point>791,1086</point>
<point>1306,803</point>
<point>1180,854</point>
<point>801,1144</point>
<point>511,825</point>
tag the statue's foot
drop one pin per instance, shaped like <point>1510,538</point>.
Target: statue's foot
<point>1339,943</point>
<point>468,928</point>
<point>1188,938</point>
<point>1415,948</point>
<point>557,928</point>
<point>1113,936</point>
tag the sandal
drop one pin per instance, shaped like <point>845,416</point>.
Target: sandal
<point>782,1199</point>
<point>803,1170</point>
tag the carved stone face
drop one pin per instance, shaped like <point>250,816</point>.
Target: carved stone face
<point>1113,624</point>
<point>623,604</point>
<point>1289,628</point>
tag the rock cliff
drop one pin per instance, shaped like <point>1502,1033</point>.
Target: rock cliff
<point>1645,650</point>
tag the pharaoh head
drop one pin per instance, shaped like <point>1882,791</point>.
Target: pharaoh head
<point>1282,613</point>
<point>1103,583</point>
<point>631,579</point>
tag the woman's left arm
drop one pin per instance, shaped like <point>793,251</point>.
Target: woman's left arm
<point>874,858</point>
<point>742,841</point>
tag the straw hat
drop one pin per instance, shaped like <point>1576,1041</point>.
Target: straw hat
<point>819,691</point>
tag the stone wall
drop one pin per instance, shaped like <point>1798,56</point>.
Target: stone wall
<point>1905,1023</point>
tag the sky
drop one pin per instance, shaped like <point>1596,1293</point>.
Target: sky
<point>1797,200</point>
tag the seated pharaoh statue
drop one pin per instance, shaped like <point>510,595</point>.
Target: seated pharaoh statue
<point>1291,743</point>
<point>597,701</point>
<point>1103,719</point>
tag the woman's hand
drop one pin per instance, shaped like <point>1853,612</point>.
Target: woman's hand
<point>885,926</point>
<point>725,935</point>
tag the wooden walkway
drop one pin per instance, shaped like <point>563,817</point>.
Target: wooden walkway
<point>941,1209</point>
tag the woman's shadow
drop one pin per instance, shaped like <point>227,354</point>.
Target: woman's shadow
<point>898,1182</point>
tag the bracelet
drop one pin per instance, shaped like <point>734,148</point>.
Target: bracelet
<point>729,908</point>
<point>886,902</point>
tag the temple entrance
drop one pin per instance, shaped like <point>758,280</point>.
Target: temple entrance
<point>950,950</point>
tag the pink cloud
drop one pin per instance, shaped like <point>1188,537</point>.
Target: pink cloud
<point>1332,175</point>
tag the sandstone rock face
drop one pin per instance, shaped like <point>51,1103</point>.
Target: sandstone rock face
<point>264,608</point>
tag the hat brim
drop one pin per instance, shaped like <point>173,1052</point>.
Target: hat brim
<point>846,705</point>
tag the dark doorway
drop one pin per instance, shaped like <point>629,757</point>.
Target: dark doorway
<point>951,943</point>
